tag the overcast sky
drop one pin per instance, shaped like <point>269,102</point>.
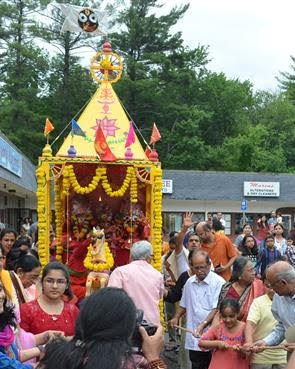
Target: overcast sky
<point>250,39</point>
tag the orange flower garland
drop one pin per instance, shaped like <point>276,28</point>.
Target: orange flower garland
<point>41,199</point>
<point>58,219</point>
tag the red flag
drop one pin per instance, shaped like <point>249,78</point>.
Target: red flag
<point>48,127</point>
<point>155,135</point>
<point>102,148</point>
<point>147,151</point>
<point>131,136</point>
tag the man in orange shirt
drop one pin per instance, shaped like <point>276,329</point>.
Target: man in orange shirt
<point>219,248</point>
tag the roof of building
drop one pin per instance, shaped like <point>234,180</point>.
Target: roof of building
<point>199,185</point>
<point>27,180</point>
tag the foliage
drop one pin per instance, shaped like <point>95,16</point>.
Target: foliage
<point>207,121</point>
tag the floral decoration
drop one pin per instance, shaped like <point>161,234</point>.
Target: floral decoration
<point>99,267</point>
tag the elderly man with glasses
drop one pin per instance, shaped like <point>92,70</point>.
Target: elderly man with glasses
<point>281,278</point>
<point>199,298</point>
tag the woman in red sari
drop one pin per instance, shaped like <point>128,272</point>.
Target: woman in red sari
<point>50,311</point>
<point>243,286</point>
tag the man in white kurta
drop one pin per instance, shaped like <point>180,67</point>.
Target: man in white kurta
<point>199,298</point>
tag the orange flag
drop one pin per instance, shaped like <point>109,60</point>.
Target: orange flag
<point>48,127</point>
<point>102,148</point>
<point>155,135</point>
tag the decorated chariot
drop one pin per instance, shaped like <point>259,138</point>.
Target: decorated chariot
<point>104,188</point>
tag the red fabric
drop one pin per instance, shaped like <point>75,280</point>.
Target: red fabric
<point>232,293</point>
<point>155,135</point>
<point>102,148</point>
<point>77,254</point>
<point>78,285</point>
<point>35,320</point>
<point>257,290</point>
<point>122,256</point>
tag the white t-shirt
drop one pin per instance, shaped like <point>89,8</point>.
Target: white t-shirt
<point>179,263</point>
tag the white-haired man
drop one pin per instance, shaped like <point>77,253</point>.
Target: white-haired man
<point>143,283</point>
<point>281,278</point>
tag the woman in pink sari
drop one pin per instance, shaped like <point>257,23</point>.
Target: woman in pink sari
<point>243,286</point>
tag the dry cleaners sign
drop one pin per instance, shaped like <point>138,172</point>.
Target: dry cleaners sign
<point>262,189</point>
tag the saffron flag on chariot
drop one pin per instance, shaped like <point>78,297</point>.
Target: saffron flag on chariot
<point>48,127</point>
<point>155,137</point>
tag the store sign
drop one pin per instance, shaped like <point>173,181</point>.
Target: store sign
<point>167,186</point>
<point>10,159</point>
<point>262,189</point>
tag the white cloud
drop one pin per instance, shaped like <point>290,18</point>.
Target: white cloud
<point>248,39</point>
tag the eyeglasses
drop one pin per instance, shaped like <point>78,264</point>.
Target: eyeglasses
<point>59,282</point>
<point>201,267</point>
<point>271,285</point>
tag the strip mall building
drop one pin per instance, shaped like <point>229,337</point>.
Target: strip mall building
<point>17,185</point>
<point>226,192</point>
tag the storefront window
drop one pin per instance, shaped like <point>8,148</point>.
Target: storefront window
<point>173,221</point>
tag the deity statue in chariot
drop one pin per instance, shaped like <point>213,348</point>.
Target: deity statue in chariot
<point>99,261</point>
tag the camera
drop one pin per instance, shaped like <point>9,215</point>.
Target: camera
<point>136,339</point>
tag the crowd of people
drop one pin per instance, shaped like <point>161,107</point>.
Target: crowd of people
<point>232,295</point>
<point>42,324</point>
<point>227,304</point>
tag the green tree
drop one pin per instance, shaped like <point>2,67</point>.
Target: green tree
<point>23,69</point>
<point>69,85</point>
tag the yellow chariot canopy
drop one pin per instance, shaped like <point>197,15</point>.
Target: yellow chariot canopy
<point>106,111</point>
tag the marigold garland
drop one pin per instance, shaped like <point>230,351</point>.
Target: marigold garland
<point>58,219</point>
<point>92,185</point>
<point>157,226</point>
<point>41,203</point>
<point>101,266</point>
<point>70,180</point>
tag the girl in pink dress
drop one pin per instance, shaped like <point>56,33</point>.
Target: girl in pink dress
<point>226,339</point>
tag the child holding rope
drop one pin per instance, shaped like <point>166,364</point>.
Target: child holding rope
<point>226,339</point>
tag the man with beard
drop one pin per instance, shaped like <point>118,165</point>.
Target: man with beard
<point>219,248</point>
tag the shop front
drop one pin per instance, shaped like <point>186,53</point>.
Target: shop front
<point>241,197</point>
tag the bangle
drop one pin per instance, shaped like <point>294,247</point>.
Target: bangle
<point>41,348</point>
<point>157,364</point>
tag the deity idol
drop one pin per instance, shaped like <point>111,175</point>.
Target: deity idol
<point>76,243</point>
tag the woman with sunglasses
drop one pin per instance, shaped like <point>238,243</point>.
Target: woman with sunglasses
<point>50,311</point>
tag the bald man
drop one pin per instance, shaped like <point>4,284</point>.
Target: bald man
<point>281,278</point>
<point>219,248</point>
